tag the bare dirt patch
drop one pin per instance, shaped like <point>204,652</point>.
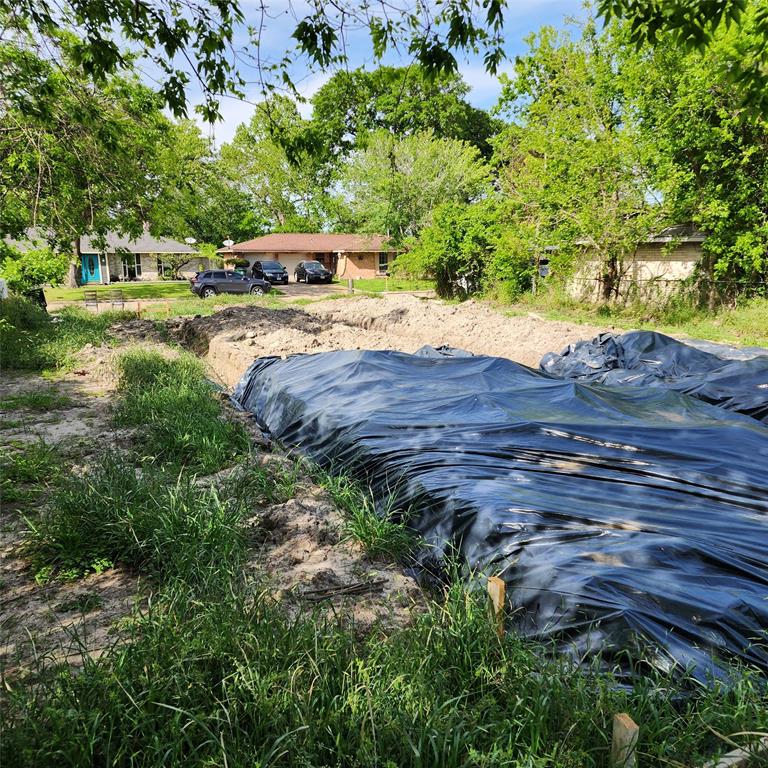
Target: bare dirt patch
<point>301,545</point>
<point>62,621</point>
<point>233,338</point>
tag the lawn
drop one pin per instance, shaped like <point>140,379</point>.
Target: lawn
<point>743,324</point>
<point>165,289</point>
<point>380,284</point>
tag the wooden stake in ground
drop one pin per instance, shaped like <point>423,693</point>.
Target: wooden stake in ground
<point>496,589</point>
<point>624,747</point>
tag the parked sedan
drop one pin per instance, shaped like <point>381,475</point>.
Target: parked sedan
<point>273,271</point>
<point>312,272</point>
<point>208,284</point>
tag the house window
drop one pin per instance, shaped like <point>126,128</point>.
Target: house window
<point>164,269</point>
<point>131,266</point>
<point>383,262</point>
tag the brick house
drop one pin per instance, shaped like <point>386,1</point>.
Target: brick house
<point>658,266</point>
<point>345,255</point>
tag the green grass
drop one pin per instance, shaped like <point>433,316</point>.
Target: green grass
<point>32,340</point>
<point>164,289</point>
<point>380,284</point>
<point>744,324</point>
<point>254,484</point>
<point>143,517</point>
<point>37,400</point>
<point>189,307</point>
<point>177,413</point>
<point>27,469</point>
<point>380,529</point>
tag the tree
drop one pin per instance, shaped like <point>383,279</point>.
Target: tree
<point>400,100</point>
<point>694,25</point>
<point>572,162</point>
<point>198,195</point>
<point>75,157</point>
<point>393,185</point>
<point>465,249</point>
<point>32,268</point>
<point>710,155</point>
<point>288,194</point>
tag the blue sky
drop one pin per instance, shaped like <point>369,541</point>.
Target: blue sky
<point>521,18</point>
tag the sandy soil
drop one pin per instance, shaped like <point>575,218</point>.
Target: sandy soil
<point>301,544</point>
<point>59,621</point>
<point>233,338</point>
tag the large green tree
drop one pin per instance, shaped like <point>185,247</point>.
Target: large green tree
<point>572,162</point>
<point>709,154</point>
<point>76,157</point>
<point>401,100</point>
<point>200,196</point>
<point>393,185</point>
<point>288,192</point>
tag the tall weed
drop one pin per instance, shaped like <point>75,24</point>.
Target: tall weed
<point>176,411</point>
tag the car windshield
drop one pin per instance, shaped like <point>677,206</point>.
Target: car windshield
<point>271,265</point>
<point>312,265</point>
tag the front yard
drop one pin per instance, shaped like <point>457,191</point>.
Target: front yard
<point>164,289</point>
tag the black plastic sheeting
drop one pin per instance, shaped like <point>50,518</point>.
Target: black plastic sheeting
<point>617,516</point>
<point>718,374</point>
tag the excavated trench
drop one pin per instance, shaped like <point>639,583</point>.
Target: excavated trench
<point>233,338</point>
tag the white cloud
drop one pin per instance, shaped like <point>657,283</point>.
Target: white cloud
<point>485,86</point>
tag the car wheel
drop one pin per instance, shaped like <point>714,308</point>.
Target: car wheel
<point>208,292</point>
<point>257,290</point>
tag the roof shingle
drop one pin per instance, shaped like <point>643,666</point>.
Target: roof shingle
<point>317,242</point>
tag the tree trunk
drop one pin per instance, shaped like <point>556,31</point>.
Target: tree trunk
<point>74,265</point>
<point>610,278</point>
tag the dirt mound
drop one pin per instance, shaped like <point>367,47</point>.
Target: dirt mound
<point>301,544</point>
<point>474,326</point>
<point>234,337</point>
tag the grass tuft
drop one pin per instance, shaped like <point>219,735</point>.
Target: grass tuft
<point>177,412</point>
<point>141,517</point>
<point>27,469</point>
<point>38,400</point>
<point>381,529</point>
<point>30,339</point>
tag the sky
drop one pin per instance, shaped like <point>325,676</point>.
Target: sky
<point>521,18</point>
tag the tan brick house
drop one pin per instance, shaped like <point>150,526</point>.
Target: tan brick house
<point>347,256</point>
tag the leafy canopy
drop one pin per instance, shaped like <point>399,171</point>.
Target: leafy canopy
<point>393,185</point>
<point>400,100</point>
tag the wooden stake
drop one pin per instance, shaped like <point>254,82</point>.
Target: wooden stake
<point>624,747</point>
<point>496,589</point>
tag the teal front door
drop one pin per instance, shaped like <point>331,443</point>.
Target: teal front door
<point>89,268</point>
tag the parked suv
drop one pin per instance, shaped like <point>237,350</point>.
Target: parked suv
<point>273,271</point>
<point>213,281</point>
<point>312,272</point>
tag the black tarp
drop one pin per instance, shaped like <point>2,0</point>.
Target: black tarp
<point>615,515</point>
<point>725,376</point>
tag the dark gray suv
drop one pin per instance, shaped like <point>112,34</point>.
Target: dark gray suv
<point>273,271</point>
<point>213,281</point>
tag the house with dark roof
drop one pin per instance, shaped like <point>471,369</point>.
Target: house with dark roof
<point>347,256</point>
<point>117,258</point>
